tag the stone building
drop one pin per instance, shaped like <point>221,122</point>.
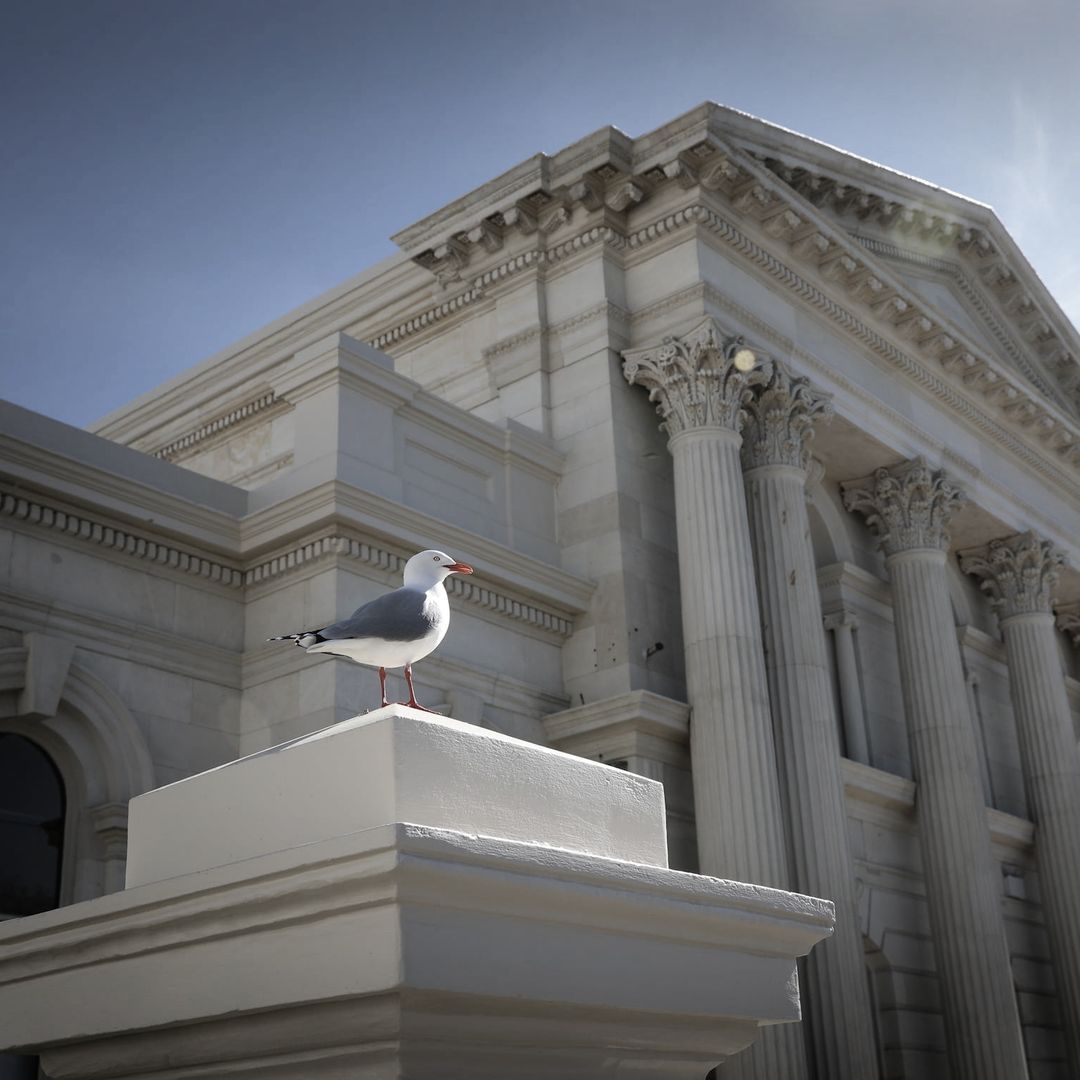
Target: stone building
<point>768,461</point>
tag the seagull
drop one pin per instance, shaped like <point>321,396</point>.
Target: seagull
<point>394,630</point>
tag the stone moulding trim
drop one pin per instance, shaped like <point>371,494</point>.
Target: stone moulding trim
<point>784,345</point>
<point>1011,400</point>
<point>189,442</point>
<point>84,528</point>
<point>897,796</point>
<point>880,345</point>
<point>974,244</point>
<point>974,296</point>
<point>535,258</point>
<point>388,561</point>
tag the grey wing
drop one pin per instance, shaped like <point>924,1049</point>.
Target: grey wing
<point>397,616</point>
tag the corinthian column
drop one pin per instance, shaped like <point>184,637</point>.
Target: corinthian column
<point>1019,574</point>
<point>700,392</point>
<point>909,507</point>
<point>774,453</point>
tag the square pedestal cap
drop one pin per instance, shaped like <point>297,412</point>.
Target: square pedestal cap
<point>394,765</point>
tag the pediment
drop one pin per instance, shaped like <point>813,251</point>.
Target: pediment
<point>958,297</point>
<point>952,252</point>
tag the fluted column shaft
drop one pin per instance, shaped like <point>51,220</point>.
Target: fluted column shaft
<point>736,790</point>
<point>808,748</point>
<point>1049,758</point>
<point>699,393</point>
<point>736,793</point>
<point>910,507</point>
<point>1020,574</point>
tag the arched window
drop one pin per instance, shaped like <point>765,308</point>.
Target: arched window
<point>31,828</point>
<point>32,806</point>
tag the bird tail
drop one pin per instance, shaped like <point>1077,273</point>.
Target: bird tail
<point>304,640</point>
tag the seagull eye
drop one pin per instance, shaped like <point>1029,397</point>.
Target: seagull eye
<point>436,558</point>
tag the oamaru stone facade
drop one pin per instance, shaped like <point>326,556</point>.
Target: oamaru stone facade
<point>838,589</point>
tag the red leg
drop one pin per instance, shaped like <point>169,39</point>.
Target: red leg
<point>382,686</point>
<point>412,702</point>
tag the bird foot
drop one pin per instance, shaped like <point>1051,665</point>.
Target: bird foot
<point>417,705</point>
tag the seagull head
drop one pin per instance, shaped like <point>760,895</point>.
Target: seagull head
<point>431,567</point>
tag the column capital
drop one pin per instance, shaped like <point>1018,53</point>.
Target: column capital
<point>693,379</point>
<point>908,506</point>
<point>1019,573</point>
<point>780,416</point>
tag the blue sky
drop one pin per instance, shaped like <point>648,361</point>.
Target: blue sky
<point>176,173</point>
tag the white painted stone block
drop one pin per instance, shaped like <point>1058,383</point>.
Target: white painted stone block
<point>394,764</point>
<point>293,921</point>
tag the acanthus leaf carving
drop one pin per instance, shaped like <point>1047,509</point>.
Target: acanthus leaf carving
<point>1019,573</point>
<point>693,380</point>
<point>780,418</point>
<point>908,506</point>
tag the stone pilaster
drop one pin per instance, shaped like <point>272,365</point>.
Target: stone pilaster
<point>700,393</point>
<point>778,427</point>
<point>909,507</point>
<point>1020,574</point>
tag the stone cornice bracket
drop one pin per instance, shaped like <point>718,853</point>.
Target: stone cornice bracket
<point>780,418</point>
<point>693,380</point>
<point>1019,573</point>
<point>447,261</point>
<point>908,506</point>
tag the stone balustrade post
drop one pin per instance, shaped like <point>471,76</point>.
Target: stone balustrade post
<point>779,424</point>
<point>843,625</point>
<point>700,393</point>
<point>1019,574</point>
<point>909,507</point>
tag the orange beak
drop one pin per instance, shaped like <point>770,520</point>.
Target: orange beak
<point>459,568</point>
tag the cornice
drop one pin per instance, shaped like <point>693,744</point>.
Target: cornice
<point>982,245</point>
<point>80,481</point>
<point>978,300</point>
<point>788,219</point>
<point>829,376</point>
<point>971,637</point>
<point>997,389</point>
<point>336,504</point>
<point>493,599</point>
<point>848,576</point>
<point>212,431</point>
<point>99,531</point>
<point>234,370</point>
<point>896,795</point>
<point>499,600</point>
<point>642,710</point>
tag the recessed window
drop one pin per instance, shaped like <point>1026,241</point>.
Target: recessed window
<point>31,828</point>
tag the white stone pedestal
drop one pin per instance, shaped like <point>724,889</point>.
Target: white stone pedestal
<point>404,896</point>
